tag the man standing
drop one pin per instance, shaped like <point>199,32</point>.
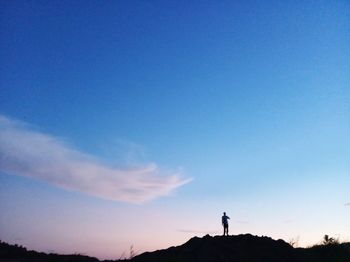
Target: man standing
<point>224,220</point>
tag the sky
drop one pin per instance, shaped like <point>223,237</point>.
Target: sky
<point>137,123</point>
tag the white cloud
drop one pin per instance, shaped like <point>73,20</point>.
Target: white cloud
<point>347,204</point>
<point>26,152</point>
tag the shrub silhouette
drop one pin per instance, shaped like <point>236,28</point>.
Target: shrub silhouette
<point>330,240</point>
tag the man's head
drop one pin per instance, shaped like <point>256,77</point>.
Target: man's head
<point>224,213</point>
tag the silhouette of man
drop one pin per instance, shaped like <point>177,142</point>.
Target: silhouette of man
<point>224,220</point>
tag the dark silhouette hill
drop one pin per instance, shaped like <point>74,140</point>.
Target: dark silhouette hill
<point>229,248</point>
<point>15,253</point>
<point>246,248</point>
<point>240,248</point>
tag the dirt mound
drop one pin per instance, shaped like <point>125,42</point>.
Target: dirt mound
<point>229,248</point>
<point>246,248</point>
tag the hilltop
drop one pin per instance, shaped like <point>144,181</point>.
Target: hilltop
<point>238,248</point>
<point>228,248</point>
<point>15,253</point>
<point>246,248</point>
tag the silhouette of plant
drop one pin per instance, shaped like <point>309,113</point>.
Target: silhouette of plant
<point>122,256</point>
<point>329,240</point>
<point>132,252</point>
<point>294,242</point>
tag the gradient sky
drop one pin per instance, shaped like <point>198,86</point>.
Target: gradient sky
<point>139,122</point>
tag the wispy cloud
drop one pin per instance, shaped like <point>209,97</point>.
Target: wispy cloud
<point>197,231</point>
<point>347,204</point>
<point>242,221</point>
<point>27,152</point>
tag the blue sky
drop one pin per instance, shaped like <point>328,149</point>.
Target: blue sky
<point>187,108</point>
